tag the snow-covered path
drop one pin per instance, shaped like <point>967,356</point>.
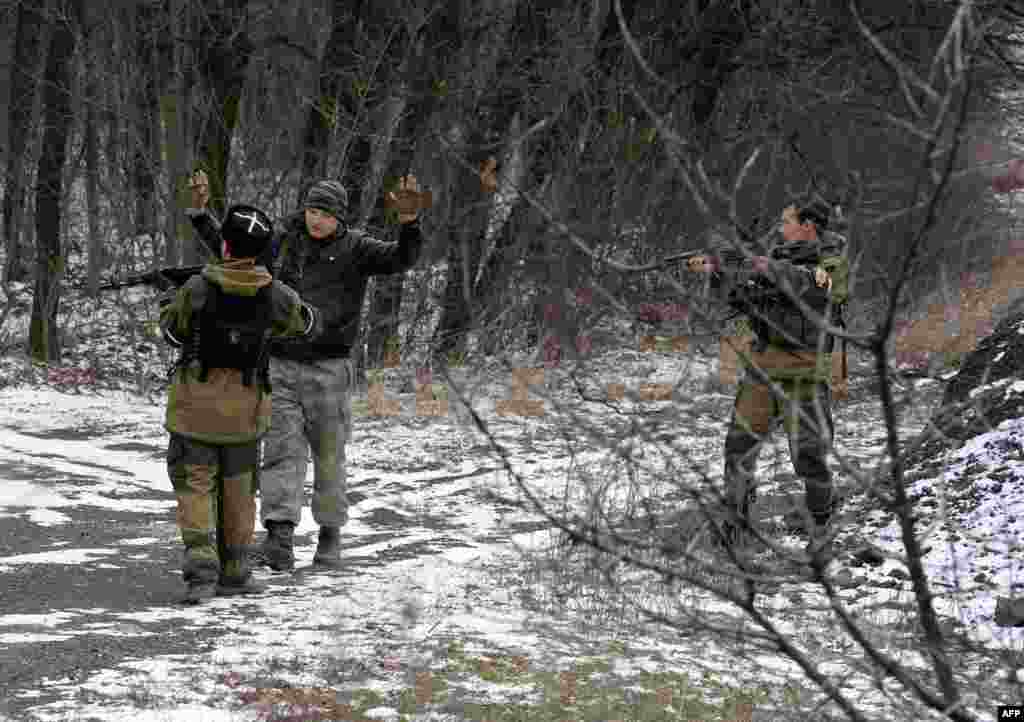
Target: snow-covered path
<point>436,616</point>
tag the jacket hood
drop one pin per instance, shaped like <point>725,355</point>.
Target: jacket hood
<point>238,277</point>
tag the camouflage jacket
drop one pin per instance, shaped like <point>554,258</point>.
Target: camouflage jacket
<point>786,340</point>
<point>222,410</point>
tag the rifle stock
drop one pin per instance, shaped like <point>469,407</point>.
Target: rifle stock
<point>162,278</point>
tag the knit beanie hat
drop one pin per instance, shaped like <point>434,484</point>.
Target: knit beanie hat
<point>247,230</point>
<point>329,196</point>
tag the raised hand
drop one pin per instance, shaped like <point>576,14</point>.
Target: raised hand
<point>489,175</point>
<point>199,184</point>
<point>407,199</point>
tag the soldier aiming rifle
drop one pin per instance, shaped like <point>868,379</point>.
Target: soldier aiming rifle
<point>786,353</point>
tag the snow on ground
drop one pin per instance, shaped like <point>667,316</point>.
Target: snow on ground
<point>438,583</point>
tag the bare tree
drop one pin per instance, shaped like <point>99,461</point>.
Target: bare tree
<point>937,94</point>
<point>222,49</point>
<point>44,339</point>
<point>175,99</point>
<point>143,25</point>
<point>407,114</point>
<point>338,63</point>
<point>90,131</point>
<point>31,35</point>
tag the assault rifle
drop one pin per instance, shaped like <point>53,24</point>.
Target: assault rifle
<point>728,257</point>
<point>162,278</point>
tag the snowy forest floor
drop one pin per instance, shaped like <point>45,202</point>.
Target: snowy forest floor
<point>455,605</point>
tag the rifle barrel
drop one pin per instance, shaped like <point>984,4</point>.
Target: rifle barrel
<point>176,276</point>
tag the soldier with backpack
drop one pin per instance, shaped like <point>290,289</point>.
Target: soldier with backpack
<point>219,402</point>
<point>330,264</point>
<point>790,352</point>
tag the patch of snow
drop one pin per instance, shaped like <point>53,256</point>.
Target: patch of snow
<point>63,556</point>
<point>47,517</point>
<point>52,619</point>
<point>995,384</point>
<point>33,638</point>
<point>389,615</point>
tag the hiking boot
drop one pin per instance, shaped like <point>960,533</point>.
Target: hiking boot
<point>328,548</point>
<point>200,576</point>
<point>198,592</point>
<point>277,552</point>
<point>232,587</point>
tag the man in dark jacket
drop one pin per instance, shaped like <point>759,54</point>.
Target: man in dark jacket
<point>219,402</point>
<point>786,351</point>
<point>329,265</point>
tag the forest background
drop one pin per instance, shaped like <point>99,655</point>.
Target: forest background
<point>621,130</point>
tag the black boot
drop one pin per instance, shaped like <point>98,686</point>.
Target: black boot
<point>200,581</point>
<point>328,548</point>
<point>277,552</point>
<point>236,575</point>
<point>233,586</point>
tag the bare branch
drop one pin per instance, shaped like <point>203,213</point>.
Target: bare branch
<point>905,75</point>
<point>635,49</point>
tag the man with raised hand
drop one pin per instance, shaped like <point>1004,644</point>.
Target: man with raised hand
<point>329,264</point>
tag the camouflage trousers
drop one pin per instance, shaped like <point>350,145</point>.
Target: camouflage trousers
<point>757,413</point>
<point>216,491</point>
<point>311,411</point>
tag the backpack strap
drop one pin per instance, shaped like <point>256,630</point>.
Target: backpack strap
<point>262,365</point>
<point>209,307</point>
<point>190,350</point>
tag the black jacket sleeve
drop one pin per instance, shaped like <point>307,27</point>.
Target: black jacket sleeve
<point>378,258</point>
<point>207,228</point>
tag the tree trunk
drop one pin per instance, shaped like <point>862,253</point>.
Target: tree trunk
<point>404,118</point>
<point>146,149</point>
<point>32,31</point>
<point>382,322</point>
<point>466,213</point>
<point>465,227</point>
<point>411,111</point>
<point>224,50</point>
<point>338,63</point>
<point>722,30</point>
<point>510,180</point>
<point>174,103</point>
<point>43,335</point>
<point>92,171</point>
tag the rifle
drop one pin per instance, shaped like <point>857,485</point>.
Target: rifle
<point>728,257</point>
<point>162,278</point>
